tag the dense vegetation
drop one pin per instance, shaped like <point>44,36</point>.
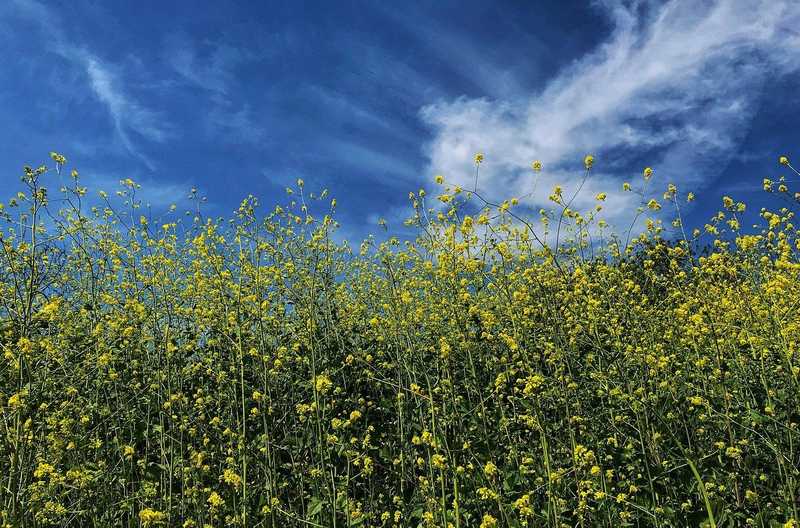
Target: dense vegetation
<point>497,370</point>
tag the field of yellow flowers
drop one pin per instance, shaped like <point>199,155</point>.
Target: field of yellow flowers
<point>497,370</point>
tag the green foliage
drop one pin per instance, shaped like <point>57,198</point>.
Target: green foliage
<point>157,372</point>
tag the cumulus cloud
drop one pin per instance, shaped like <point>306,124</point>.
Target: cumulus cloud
<point>674,85</point>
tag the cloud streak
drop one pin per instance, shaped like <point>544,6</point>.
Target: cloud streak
<point>106,82</point>
<point>215,73</point>
<point>674,86</point>
<point>126,114</point>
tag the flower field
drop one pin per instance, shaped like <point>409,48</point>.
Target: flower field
<point>500,368</point>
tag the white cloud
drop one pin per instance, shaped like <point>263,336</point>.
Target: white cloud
<point>674,86</point>
<point>126,114</point>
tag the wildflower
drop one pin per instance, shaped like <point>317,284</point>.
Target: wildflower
<point>478,158</point>
<point>600,197</point>
<point>626,186</point>
<point>17,399</point>
<point>322,384</point>
<point>368,466</point>
<point>150,517</point>
<point>215,500</point>
<point>58,158</point>
<point>231,477</point>
<point>588,161</point>
<point>523,505</point>
<point>438,461</point>
<point>43,470</point>
<point>783,160</point>
<point>648,171</point>
<point>537,166</point>
<point>488,521</point>
<point>486,494</point>
<point>490,470</point>
<point>439,179</point>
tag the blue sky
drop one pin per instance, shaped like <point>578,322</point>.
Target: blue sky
<point>372,99</point>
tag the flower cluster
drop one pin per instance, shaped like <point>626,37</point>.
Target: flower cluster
<point>497,370</point>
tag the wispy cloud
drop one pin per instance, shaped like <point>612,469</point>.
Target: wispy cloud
<point>126,114</point>
<point>107,83</point>
<point>215,72</point>
<point>674,85</point>
<point>475,63</point>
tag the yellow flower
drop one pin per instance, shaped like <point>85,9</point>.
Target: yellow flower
<point>231,477</point>
<point>368,466</point>
<point>488,521</point>
<point>439,179</point>
<point>322,384</point>
<point>478,158</point>
<point>647,173</point>
<point>600,197</point>
<point>490,470</point>
<point>16,400</point>
<point>588,161</point>
<point>537,166</point>
<point>215,500</point>
<point>58,158</point>
<point>149,517</point>
<point>783,160</point>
